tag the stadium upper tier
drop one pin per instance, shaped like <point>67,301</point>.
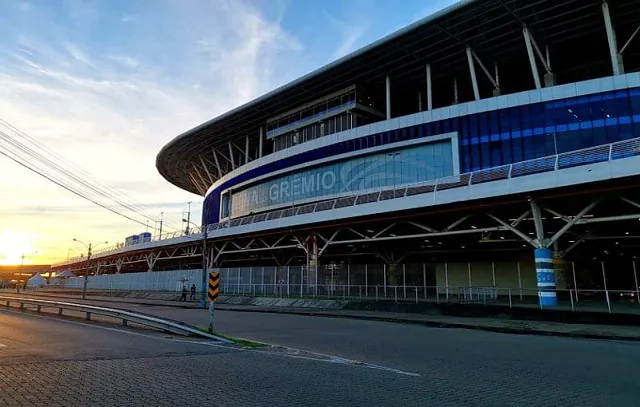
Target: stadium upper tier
<point>473,50</point>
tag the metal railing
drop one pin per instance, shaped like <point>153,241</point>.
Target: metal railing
<point>124,316</point>
<point>589,300</point>
<point>592,155</point>
<point>195,232</point>
<point>570,299</point>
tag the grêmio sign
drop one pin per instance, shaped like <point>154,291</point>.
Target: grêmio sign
<point>301,186</point>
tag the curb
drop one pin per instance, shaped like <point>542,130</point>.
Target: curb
<point>436,324</point>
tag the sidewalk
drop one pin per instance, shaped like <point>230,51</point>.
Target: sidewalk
<point>190,313</point>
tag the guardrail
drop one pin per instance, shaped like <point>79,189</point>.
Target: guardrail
<point>125,316</point>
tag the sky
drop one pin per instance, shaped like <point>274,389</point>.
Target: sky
<point>106,83</point>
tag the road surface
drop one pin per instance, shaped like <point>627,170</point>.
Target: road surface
<point>454,367</point>
<point>50,362</point>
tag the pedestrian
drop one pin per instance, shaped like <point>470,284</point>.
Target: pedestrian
<point>192,297</point>
<point>183,297</point>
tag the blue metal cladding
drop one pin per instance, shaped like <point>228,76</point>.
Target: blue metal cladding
<point>494,138</point>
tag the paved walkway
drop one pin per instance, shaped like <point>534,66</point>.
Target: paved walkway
<point>192,314</point>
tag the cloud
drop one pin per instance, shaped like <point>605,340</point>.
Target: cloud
<point>351,33</point>
<point>108,103</point>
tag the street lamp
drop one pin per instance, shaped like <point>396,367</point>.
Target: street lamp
<point>20,270</point>
<point>203,293</point>
<point>86,270</point>
<point>188,220</point>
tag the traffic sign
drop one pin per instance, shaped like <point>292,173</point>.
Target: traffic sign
<point>214,286</point>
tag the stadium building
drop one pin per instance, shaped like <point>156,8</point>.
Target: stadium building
<point>495,143</point>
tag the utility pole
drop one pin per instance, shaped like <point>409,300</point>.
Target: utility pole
<point>86,270</point>
<point>205,263</point>
<point>161,218</point>
<point>86,273</point>
<point>20,274</point>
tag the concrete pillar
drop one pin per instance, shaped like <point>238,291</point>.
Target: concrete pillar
<point>546,278</point>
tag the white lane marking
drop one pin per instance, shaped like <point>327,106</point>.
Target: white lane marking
<point>320,357</point>
<point>293,355</point>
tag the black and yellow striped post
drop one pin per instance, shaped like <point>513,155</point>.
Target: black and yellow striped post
<point>214,286</point>
<point>212,295</point>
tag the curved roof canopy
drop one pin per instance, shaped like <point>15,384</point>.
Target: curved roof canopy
<point>573,30</point>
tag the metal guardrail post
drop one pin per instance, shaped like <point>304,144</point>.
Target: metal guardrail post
<point>571,298</point>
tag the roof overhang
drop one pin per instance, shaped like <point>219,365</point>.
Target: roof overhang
<point>492,28</point>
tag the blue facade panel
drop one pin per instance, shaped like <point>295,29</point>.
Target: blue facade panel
<point>494,138</point>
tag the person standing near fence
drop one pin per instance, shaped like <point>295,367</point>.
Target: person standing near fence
<point>192,297</point>
<point>183,297</point>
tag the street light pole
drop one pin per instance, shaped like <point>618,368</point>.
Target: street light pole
<point>161,218</point>
<point>20,274</point>
<point>205,263</point>
<point>86,270</point>
<point>20,270</point>
<point>188,218</point>
<point>86,273</point>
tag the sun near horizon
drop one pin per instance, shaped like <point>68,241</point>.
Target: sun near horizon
<point>13,245</point>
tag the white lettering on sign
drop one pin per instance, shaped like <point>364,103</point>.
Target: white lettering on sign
<point>295,185</point>
<point>273,192</point>
<point>301,186</point>
<point>328,180</point>
<point>284,189</point>
<point>254,198</point>
<point>308,185</point>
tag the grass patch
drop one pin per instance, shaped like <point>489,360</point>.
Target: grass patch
<point>243,342</point>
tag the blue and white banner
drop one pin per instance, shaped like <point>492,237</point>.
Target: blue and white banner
<point>397,167</point>
<point>546,277</point>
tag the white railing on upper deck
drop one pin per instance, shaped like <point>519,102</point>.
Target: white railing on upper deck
<point>195,232</point>
<point>592,155</point>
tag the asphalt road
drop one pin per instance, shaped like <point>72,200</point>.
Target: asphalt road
<point>482,368</point>
<point>456,367</point>
<point>50,362</point>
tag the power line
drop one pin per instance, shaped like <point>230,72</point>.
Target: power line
<point>65,172</point>
<point>44,162</point>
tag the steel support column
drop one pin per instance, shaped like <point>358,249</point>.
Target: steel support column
<point>246,149</point>
<point>429,91</point>
<point>260,141</point>
<point>215,158</point>
<point>532,58</point>
<point>616,61</point>
<point>233,164</point>
<point>388,96</point>
<point>472,72</point>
